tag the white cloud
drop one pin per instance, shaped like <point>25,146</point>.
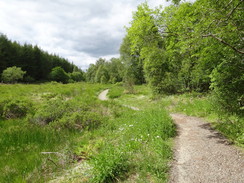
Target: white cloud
<point>79,30</point>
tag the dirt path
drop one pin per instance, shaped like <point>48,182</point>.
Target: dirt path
<point>202,155</point>
<point>103,95</point>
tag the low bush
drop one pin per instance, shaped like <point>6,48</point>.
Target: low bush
<point>78,120</point>
<point>50,111</point>
<point>115,92</point>
<point>16,109</point>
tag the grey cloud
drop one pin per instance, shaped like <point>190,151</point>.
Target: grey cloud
<point>80,30</point>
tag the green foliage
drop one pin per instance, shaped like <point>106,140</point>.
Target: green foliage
<point>105,71</point>
<point>188,47</point>
<point>22,138</point>
<point>77,76</point>
<point>138,146</point>
<point>228,85</point>
<point>50,111</point>
<point>58,74</point>
<point>36,62</point>
<point>68,124</point>
<point>110,165</point>
<point>115,92</point>
<point>16,109</point>
<point>78,121</point>
<point>12,74</point>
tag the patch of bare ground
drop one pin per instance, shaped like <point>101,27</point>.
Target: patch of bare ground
<point>103,95</point>
<point>202,155</point>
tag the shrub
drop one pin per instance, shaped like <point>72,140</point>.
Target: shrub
<point>78,120</point>
<point>51,111</point>
<point>12,74</point>
<point>2,103</point>
<point>16,109</point>
<point>58,74</point>
<point>115,92</point>
<point>77,76</point>
<point>227,83</point>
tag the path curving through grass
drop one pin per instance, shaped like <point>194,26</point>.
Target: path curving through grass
<point>103,96</point>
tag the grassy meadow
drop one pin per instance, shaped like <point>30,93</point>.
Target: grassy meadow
<point>62,133</point>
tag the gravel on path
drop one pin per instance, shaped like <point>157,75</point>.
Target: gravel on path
<point>202,155</point>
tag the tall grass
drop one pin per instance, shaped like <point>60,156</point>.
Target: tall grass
<point>138,145</point>
<point>115,92</point>
<point>66,126</point>
<point>34,120</point>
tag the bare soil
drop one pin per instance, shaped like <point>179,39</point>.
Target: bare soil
<point>202,155</point>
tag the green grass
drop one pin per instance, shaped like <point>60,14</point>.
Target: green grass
<point>105,139</point>
<point>115,92</point>
<point>139,145</point>
<point>24,137</point>
<point>202,105</point>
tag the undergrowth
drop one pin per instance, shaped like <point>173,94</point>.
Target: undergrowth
<point>40,126</point>
<point>65,134</point>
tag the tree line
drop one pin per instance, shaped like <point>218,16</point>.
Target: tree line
<point>186,47</point>
<point>36,63</point>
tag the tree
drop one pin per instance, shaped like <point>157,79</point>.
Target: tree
<point>105,71</point>
<point>77,76</point>
<point>12,74</point>
<point>58,74</point>
<point>131,62</point>
<point>36,62</point>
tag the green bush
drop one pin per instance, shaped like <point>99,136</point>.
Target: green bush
<point>50,111</point>
<point>2,103</point>
<point>58,74</point>
<point>78,120</point>
<point>76,76</point>
<point>16,109</point>
<point>228,85</point>
<point>115,92</point>
<point>12,74</point>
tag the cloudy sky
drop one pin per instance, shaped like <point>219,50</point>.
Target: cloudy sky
<point>80,30</point>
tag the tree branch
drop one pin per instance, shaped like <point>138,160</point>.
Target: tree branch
<point>223,42</point>
<point>233,10</point>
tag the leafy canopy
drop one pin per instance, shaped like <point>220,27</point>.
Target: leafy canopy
<point>12,74</point>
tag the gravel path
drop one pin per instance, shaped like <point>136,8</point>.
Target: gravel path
<point>202,155</point>
<point>103,95</point>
